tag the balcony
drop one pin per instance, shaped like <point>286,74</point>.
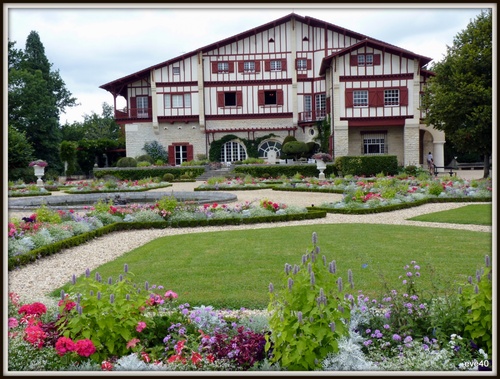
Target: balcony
<point>312,116</point>
<point>127,113</point>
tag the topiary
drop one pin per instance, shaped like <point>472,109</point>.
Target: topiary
<point>126,162</point>
<point>168,177</point>
<point>145,158</point>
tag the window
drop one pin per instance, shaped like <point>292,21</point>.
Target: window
<point>268,146</point>
<point>270,97</point>
<point>374,143</point>
<point>230,99</point>
<point>301,64</point>
<point>180,154</point>
<point>232,152</point>
<point>320,101</point>
<point>361,60</point>
<point>275,65</point>
<point>307,108</point>
<point>223,66</point>
<point>142,106</point>
<point>369,59</point>
<point>360,98</point>
<point>249,66</point>
<point>391,97</point>
<point>176,70</point>
<point>182,100</point>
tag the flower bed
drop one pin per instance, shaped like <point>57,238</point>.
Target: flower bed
<point>28,190</point>
<point>46,231</point>
<point>101,186</point>
<point>370,195</point>
<point>237,184</point>
<point>314,322</point>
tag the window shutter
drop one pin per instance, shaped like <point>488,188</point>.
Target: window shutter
<point>257,66</point>
<point>189,152</point>
<point>354,60</point>
<point>373,98</point>
<point>380,98</point>
<point>171,155</point>
<point>239,99</point>
<point>283,65</point>
<point>133,107</point>
<point>279,97</point>
<point>349,98</point>
<point>241,66</point>
<point>403,96</point>
<point>328,105</point>
<point>261,98</point>
<point>220,99</point>
<point>309,64</point>
<point>376,59</point>
<point>267,65</point>
<point>215,69</point>
<point>150,105</point>
<point>231,66</point>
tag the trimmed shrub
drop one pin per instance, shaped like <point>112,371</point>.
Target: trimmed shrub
<point>126,162</point>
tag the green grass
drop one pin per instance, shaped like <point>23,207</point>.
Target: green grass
<point>234,268</point>
<point>476,214</point>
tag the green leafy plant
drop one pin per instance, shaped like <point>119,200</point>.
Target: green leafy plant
<point>167,205</point>
<point>44,214</point>
<point>308,313</point>
<point>106,312</point>
<point>478,301</point>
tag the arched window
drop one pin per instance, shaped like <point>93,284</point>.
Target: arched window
<point>267,146</point>
<point>232,152</point>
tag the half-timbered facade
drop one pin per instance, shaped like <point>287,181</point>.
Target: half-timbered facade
<point>276,80</point>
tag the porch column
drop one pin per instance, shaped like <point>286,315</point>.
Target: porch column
<point>439,154</point>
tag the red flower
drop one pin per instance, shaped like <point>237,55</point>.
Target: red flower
<point>171,294</point>
<point>145,357</point>
<point>176,358</point>
<point>35,309</point>
<point>85,348</point>
<point>141,325</point>
<point>68,304</point>
<point>64,345</point>
<point>106,366</point>
<point>35,335</point>
<point>196,358</point>
<point>210,358</point>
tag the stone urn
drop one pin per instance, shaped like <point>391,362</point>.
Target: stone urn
<point>321,166</point>
<point>39,172</point>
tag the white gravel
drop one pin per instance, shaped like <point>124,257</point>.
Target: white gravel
<point>34,281</point>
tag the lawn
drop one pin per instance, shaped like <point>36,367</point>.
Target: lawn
<point>233,269</point>
<point>476,214</point>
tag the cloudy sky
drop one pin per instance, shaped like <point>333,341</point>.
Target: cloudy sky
<point>93,44</point>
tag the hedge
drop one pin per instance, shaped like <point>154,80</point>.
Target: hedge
<point>137,173</point>
<point>288,170</point>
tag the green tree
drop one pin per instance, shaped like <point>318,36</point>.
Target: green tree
<point>103,126</point>
<point>20,154</point>
<point>36,97</point>
<point>458,99</point>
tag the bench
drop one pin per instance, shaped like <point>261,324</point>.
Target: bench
<point>448,170</point>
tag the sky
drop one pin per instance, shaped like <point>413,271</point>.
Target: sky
<point>94,44</point>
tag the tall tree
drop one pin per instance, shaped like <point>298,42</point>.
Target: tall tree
<point>104,126</point>
<point>37,97</point>
<point>458,99</point>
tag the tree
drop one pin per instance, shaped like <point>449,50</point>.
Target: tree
<point>37,96</point>
<point>458,99</point>
<point>20,154</point>
<point>104,126</point>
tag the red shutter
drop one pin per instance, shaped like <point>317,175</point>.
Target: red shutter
<point>354,60</point>
<point>283,65</point>
<point>328,104</point>
<point>279,97</point>
<point>150,106</point>
<point>373,98</point>
<point>189,152</point>
<point>261,97</point>
<point>257,66</point>
<point>231,66</point>
<point>267,65</point>
<point>133,107</point>
<point>215,68</point>
<point>376,59</point>
<point>171,155</point>
<point>241,66</point>
<point>380,98</point>
<point>220,99</point>
<point>239,99</point>
<point>309,64</point>
<point>403,96</point>
<point>348,98</point>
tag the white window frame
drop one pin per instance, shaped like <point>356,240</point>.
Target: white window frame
<point>249,66</point>
<point>361,60</point>
<point>275,65</point>
<point>360,98</point>
<point>320,105</point>
<point>391,97</point>
<point>302,64</point>
<point>180,154</point>
<point>223,66</point>
<point>142,106</point>
<point>375,143</point>
<point>177,100</point>
<point>232,151</point>
<point>307,107</point>
<point>369,59</point>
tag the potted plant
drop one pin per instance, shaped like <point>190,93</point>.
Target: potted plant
<point>39,167</point>
<point>321,159</point>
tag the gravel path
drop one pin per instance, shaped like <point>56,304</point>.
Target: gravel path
<point>35,281</point>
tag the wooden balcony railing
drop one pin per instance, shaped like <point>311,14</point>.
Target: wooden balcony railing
<point>316,115</point>
<point>133,113</point>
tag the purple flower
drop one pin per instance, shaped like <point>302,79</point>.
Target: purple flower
<point>396,337</point>
<point>417,274</point>
<point>422,306</point>
<point>368,331</point>
<point>367,343</point>
<point>416,267</point>
<point>387,315</point>
<point>408,339</point>
<point>425,347</point>
<point>386,326</point>
<point>414,297</point>
<point>409,274</point>
<point>404,282</point>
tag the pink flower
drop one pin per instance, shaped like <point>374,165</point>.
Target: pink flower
<point>133,342</point>
<point>85,348</point>
<point>106,366</point>
<point>171,294</point>
<point>35,335</point>
<point>35,309</point>
<point>64,345</point>
<point>141,325</point>
<point>13,322</point>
